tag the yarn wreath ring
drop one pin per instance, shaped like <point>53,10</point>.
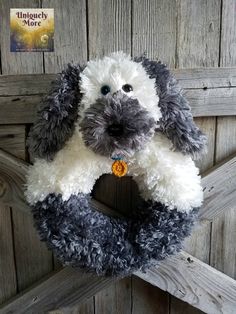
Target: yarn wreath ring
<point>127,117</point>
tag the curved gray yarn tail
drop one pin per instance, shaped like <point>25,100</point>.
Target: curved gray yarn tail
<point>81,236</point>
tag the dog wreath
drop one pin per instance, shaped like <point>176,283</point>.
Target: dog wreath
<point>123,116</point>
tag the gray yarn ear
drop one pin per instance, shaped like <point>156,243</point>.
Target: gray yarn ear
<point>55,120</point>
<point>177,121</point>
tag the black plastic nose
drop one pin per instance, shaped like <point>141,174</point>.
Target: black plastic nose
<point>115,129</point>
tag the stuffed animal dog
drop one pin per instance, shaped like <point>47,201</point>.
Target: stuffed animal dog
<point>115,108</point>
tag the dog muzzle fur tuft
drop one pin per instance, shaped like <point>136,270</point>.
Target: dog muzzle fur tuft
<point>117,124</point>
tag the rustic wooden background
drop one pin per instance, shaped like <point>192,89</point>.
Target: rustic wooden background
<point>182,33</point>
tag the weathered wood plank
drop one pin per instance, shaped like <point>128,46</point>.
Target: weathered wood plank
<point>109,26</point>
<point>8,286</point>
<point>32,258</point>
<point>198,24</point>
<point>219,187</point>
<point>70,40</point>
<point>181,275</point>
<point>157,36</point>
<point>25,84</point>
<point>11,138</point>
<point>19,109</point>
<point>223,249</point>
<point>23,97</point>
<point>61,291</point>
<point>148,299</point>
<point>192,78</point>
<point>197,45</point>
<point>194,282</point>
<point>212,102</point>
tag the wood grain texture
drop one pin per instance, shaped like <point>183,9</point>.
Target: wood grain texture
<point>182,275</point>
<point>21,95</point>
<point>211,291</point>
<point>219,188</point>
<point>194,78</point>
<point>32,258</point>
<point>148,298</point>
<point>30,266</point>
<point>223,249</point>
<point>19,109</point>
<point>13,171</point>
<point>11,139</point>
<point>109,24</point>
<point>8,286</point>
<point>212,102</point>
<point>17,63</point>
<point>198,29</point>
<point>70,39</point>
<point>26,84</point>
<point>154,29</point>
<point>197,45</point>
<point>61,292</point>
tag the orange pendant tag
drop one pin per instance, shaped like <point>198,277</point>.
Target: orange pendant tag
<point>119,168</point>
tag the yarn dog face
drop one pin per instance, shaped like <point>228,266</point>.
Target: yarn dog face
<point>116,106</point>
<point>120,110</point>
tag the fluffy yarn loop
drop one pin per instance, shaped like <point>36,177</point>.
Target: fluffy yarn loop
<point>81,236</point>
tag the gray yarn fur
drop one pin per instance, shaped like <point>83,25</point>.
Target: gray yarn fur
<point>83,237</point>
<point>177,121</point>
<point>55,119</point>
<point>138,125</point>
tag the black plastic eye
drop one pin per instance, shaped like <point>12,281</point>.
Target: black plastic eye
<point>105,89</point>
<point>127,88</point>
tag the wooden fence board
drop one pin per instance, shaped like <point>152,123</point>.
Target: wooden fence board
<point>223,249</point>
<point>21,95</point>
<point>219,187</point>
<point>61,291</point>
<point>194,282</point>
<point>109,26</point>
<point>198,26</point>
<point>191,78</point>
<point>11,138</point>
<point>157,36</point>
<point>182,275</point>
<point>70,40</point>
<point>197,78</point>
<point>26,84</point>
<point>31,257</point>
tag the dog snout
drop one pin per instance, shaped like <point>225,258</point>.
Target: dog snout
<point>115,129</point>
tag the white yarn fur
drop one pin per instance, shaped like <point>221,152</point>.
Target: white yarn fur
<point>162,174</point>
